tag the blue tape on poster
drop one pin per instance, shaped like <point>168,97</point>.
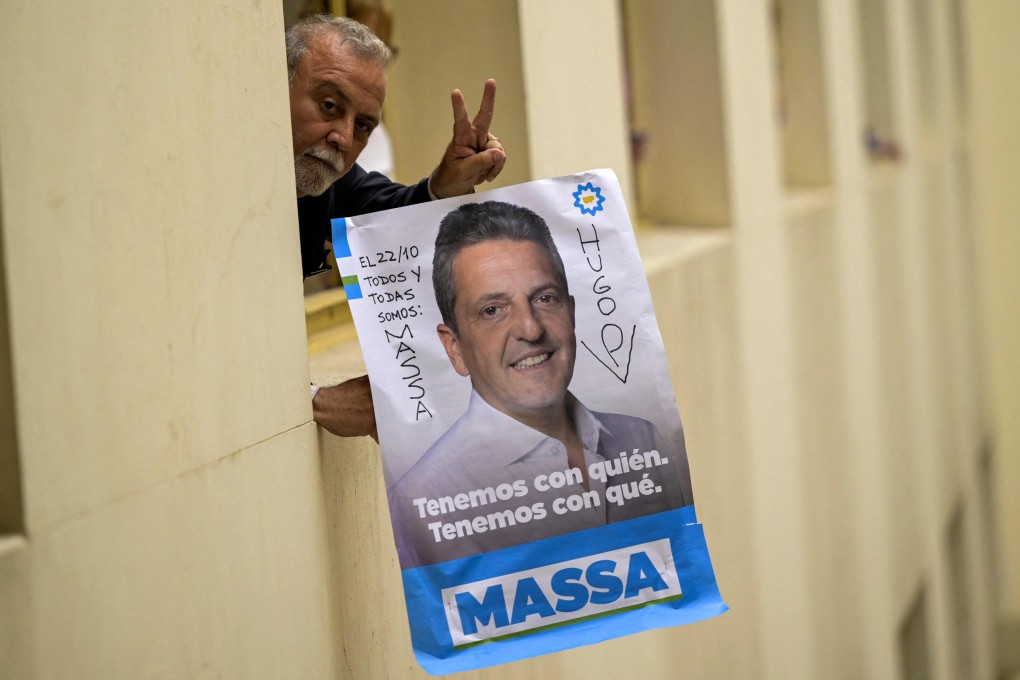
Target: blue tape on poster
<point>353,291</point>
<point>559,593</point>
<point>340,245</point>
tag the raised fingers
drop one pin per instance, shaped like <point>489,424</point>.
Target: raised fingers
<point>461,122</point>
<point>483,119</point>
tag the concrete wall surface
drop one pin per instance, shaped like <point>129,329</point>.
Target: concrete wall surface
<point>839,330</point>
<point>173,513</point>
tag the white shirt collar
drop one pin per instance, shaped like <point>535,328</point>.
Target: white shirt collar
<point>514,440</point>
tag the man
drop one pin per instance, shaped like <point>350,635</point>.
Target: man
<point>378,153</point>
<point>337,73</point>
<point>503,473</point>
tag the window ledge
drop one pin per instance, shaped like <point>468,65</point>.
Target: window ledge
<point>662,246</point>
<point>805,200</point>
<point>12,543</point>
<point>328,320</point>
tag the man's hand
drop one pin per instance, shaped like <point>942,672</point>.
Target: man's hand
<point>474,154</point>
<point>346,409</point>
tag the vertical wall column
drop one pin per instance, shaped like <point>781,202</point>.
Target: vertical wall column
<point>801,78</point>
<point>866,448</point>
<point>10,469</point>
<point>911,78</point>
<point>954,239</point>
<point>778,507</point>
<point>994,98</point>
<point>969,602</point>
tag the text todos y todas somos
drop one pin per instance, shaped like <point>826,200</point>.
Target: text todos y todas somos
<point>574,502</point>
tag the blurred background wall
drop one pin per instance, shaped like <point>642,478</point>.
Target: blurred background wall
<point>826,202</point>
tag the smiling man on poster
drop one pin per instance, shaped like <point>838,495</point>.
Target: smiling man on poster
<point>527,460</point>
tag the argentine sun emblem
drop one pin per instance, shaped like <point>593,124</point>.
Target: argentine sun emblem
<point>588,198</point>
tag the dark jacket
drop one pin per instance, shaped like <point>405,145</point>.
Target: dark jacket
<point>356,193</point>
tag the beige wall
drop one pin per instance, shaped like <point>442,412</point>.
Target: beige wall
<point>682,177</point>
<point>10,469</point>
<point>170,473</point>
<point>183,516</point>
<point>560,66</point>
<point>537,67</point>
<point>995,174</point>
<point>446,56</point>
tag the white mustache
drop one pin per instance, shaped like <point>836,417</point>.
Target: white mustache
<point>333,158</point>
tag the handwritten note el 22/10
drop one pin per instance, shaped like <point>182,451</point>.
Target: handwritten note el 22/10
<point>534,458</point>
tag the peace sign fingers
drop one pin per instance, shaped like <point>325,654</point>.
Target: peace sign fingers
<point>474,155</point>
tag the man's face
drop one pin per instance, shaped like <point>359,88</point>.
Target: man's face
<point>516,327</point>
<point>336,99</point>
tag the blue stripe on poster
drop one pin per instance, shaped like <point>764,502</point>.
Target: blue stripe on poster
<point>342,249</point>
<point>525,590</point>
<point>353,291</point>
<point>340,245</point>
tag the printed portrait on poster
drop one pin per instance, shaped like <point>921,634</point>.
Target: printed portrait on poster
<point>527,459</point>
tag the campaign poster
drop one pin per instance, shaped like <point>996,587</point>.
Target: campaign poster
<point>534,457</point>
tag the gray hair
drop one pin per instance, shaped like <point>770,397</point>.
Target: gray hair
<point>356,35</point>
<point>473,223</point>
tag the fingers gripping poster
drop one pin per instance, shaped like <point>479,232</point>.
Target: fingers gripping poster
<point>534,456</point>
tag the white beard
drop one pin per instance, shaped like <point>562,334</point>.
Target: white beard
<point>311,176</point>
